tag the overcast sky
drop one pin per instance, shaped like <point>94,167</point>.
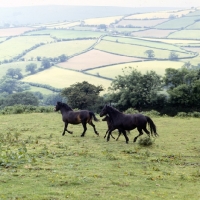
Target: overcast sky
<point>125,3</point>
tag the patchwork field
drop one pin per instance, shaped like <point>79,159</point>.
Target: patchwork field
<point>103,20</point>
<point>134,50</point>
<point>95,58</point>
<point>61,78</point>
<point>116,70</point>
<point>21,65</point>
<point>155,33</point>
<point>68,48</point>
<point>17,45</point>
<point>161,15</point>
<point>141,23</point>
<point>186,34</point>
<point>7,32</point>
<point>144,42</point>
<point>178,23</point>
<point>67,34</point>
<point>38,163</point>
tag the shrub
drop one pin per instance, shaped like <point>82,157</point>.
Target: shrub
<point>131,111</point>
<point>146,141</point>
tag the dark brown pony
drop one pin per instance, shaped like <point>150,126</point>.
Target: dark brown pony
<point>124,122</point>
<point>76,117</point>
<point>109,123</point>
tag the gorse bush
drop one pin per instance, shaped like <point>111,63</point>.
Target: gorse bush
<point>146,141</point>
<point>18,109</point>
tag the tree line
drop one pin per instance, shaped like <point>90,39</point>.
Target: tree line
<point>177,91</point>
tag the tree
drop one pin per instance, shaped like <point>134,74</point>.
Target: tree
<point>46,63</point>
<point>183,87</point>
<point>150,53</point>
<point>135,90</point>
<point>24,98</point>
<point>63,58</point>
<point>10,85</point>
<point>14,73</point>
<point>52,99</point>
<point>173,56</point>
<point>82,95</point>
<point>31,67</point>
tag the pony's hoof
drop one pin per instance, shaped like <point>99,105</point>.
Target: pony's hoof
<point>82,135</point>
<point>71,132</point>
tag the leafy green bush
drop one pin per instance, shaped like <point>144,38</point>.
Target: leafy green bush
<point>131,111</point>
<point>18,109</point>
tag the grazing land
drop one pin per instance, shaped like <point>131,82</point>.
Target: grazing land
<point>36,162</point>
<point>119,69</point>
<point>7,32</point>
<point>104,20</point>
<point>61,78</point>
<point>95,58</point>
<point>141,23</point>
<point>67,47</point>
<point>8,48</point>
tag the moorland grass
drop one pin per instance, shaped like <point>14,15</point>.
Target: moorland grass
<point>36,162</point>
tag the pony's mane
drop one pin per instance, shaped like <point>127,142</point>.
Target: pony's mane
<point>66,106</point>
<point>112,109</point>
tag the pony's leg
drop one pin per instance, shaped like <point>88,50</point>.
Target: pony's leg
<point>65,129</point>
<point>126,137</point>
<point>140,133</point>
<point>106,133</point>
<point>91,124</point>
<point>118,135</point>
<point>85,129</point>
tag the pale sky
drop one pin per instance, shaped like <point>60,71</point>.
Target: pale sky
<point>124,3</point>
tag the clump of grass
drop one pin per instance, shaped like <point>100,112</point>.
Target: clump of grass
<point>146,141</point>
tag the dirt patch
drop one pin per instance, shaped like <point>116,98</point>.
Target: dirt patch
<point>95,58</point>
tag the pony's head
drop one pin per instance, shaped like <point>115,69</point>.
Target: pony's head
<point>58,106</point>
<point>104,111</point>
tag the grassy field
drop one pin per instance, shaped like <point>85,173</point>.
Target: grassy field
<point>68,34</point>
<point>144,42</point>
<point>102,20</point>
<point>157,66</point>
<point>61,78</point>
<point>133,50</point>
<point>177,23</point>
<point>162,14</point>
<point>21,65</point>
<point>68,48</point>
<point>36,162</point>
<point>186,34</point>
<point>17,45</point>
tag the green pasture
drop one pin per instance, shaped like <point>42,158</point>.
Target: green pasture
<point>194,26</point>
<point>186,34</point>
<point>83,28</point>
<point>21,65</point>
<point>44,91</point>
<point>17,45</point>
<point>61,78</point>
<point>195,13</point>
<point>177,23</point>
<point>2,39</point>
<point>67,34</point>
<point>36,162</point>
<point>134,50</point>
<point>144,42</point>
<point>56,49</point>
<point>116,70</point>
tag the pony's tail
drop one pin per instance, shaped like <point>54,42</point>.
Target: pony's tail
<point>152,126</point>
<point>93,115</point>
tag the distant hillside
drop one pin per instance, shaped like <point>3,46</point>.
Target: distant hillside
<point>48,14</point>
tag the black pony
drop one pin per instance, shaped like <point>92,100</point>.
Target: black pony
<point>124,122</point>
<point>75,117</point>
